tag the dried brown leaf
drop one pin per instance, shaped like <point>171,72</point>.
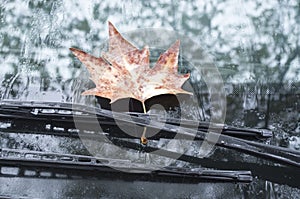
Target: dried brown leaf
<point>124,71</point>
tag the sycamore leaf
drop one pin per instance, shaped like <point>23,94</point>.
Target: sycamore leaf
<point>124,71</point>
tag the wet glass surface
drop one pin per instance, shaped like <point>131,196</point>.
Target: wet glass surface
<point>254,44</point>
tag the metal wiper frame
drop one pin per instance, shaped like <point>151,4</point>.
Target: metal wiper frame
<point>64,112</point>
<point>60,118</point>
<point>18,163</point>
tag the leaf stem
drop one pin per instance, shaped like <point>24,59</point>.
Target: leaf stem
<point>144,107</point>
<point>144,140</point>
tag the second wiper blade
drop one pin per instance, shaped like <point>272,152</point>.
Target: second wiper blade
<point>21,163</point>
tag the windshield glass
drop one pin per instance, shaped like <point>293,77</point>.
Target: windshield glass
<point>254,46</point>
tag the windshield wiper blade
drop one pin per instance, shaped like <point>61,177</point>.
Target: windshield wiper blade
<point>62,112</point>
<point>21,163</point>
<point>276,154</point>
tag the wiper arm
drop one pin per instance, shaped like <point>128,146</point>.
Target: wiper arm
<point>34,111</point>
<point>288,175</point>
<point>204,126</point>
<point>20,163</point>
<point>274,153</point>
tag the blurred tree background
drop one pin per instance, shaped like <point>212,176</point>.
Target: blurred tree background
<point>251,42</point>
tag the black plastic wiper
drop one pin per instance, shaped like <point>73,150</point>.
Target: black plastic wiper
<point>20,163</point>
<point>64,112</point>
<point>59,117</point>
